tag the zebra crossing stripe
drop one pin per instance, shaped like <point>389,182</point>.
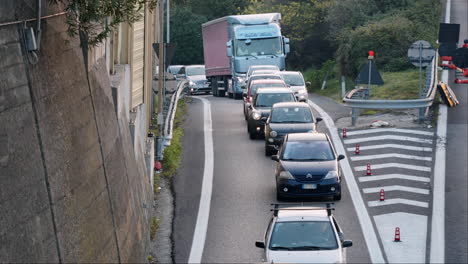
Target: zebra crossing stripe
<point>398,130</point>
<point>396,188</point>
<point>394,165</point>
<point>397,146</point>
<point>397,201</point>
<point>388,137</point>
<point>394,176</point>
<point>390,155</point>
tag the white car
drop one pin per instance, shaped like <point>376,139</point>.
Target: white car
<point>303,234</point>
<point>295,81</point>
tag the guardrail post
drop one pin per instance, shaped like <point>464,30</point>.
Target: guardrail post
<point>354,116</point>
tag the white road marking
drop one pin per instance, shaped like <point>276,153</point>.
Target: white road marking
<point>397,201</point>
<point>397,146</point>
<point>413,235</point>
<point>399,130</point>
<point>395,188</point>
<point>438,204</point>
<point>201,227</point>
<point>393,165</point>
<point>389,155</point>
<point>394,176</point>
<point>367,227</point>
<point>388,137</point>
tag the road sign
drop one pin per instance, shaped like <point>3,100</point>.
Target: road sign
<point>369,71</point>
<point>421,53</point>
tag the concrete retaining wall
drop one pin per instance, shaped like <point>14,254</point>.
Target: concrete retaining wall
<point>71,188</point>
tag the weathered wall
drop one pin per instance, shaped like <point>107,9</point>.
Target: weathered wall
<point>71,189</point>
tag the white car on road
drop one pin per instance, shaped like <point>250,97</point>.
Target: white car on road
<point>303,234</point>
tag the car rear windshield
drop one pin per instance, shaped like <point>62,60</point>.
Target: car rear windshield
<point>293,79</point>
<point>269,99</point>
<point>195,71</point>
<point>303,236</point>
<point>314,150</point>
<point>291,115</point>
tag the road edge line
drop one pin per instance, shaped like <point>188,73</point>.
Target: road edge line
<point>201,226</point>
<point>365,222</point>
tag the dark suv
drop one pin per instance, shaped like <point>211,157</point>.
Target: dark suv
<point>307,166</point>
<point>287,117</point>
<point>259,109</point>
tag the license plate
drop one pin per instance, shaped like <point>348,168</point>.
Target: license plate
<point>309,186</point>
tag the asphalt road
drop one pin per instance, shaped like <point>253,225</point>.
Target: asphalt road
<point>243,189</point>
<point>456,184</point>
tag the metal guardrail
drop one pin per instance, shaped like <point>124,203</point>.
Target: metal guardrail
<point>430,89</point>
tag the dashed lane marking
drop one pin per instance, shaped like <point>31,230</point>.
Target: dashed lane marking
<point>394,176</point>
<point>390,155</point>
<point>388,137</point>
<point>393,165</point>
<point>396,146</point>
<point>396,188</point>
<point>399,130</point>
<point>397,201</point>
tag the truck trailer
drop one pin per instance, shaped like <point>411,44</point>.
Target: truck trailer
<point>232,44</point>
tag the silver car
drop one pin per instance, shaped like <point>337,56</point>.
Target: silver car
<point>295,81</point>
<point>303,234</point>
<point>196,78</point>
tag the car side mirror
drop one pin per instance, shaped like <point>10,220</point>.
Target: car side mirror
<point>340,157</point>
<point>308,84</point>
<point>346,243</point>
<point>248,105</point>
<point>318,119</point>
<point>264,118</point>
<point>302,99</point>
<point>259,244</point>
<point>275,157</point>
<point>244,95</point>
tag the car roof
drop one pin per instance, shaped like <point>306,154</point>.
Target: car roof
<point>263,67</point>
<point>261,75</point>
<point>307,136</point>
<point>274,90</point>
<point>255,72</point>
<point>190,66</point>
<point>267,81</point>
<point>291,104</point>
<point>302,212</point>
<point>290,72</point>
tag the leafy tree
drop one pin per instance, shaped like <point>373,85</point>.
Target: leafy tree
<point>186,34</point>
<point>89,18</point>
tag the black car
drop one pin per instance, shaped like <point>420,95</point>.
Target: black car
<point>259,110</point>
<point>307,166</point>
<point>287,117</point>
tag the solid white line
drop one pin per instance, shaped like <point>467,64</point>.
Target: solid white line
<point>201,227</point>
<point>388,137</point>
<point>397,201</point>
<point>391,146</point>
<point>367,227</point>
<point>438,203</point>
<point>393,165</point>
<point>389,155</point>
<point>396,188</point>
<point>399,130</point>
<point>394,176</point>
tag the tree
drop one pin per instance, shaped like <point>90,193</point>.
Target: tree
<point>90,18</point>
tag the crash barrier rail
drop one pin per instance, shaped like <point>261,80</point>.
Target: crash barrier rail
<point>423,104</point>
<point>169,116</point>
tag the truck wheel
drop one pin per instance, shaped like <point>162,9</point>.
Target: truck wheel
<point>214,86</point>
<point>268,151</point>
<point>221,93</point>
<point>237,96</point>
<point>230,95</point>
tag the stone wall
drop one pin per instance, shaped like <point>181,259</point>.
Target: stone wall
<point>71,189</point>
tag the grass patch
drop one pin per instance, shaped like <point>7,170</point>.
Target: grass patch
<point>154,224</point>
<point>398,86</point>
<point>172,154</point>
<point>151,259</point>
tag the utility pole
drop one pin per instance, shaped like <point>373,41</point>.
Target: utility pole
<point>168,21</point>
<point>161,82</point>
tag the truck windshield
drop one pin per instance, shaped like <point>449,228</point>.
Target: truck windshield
<point>258,47</point>
<point>195,71</point>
